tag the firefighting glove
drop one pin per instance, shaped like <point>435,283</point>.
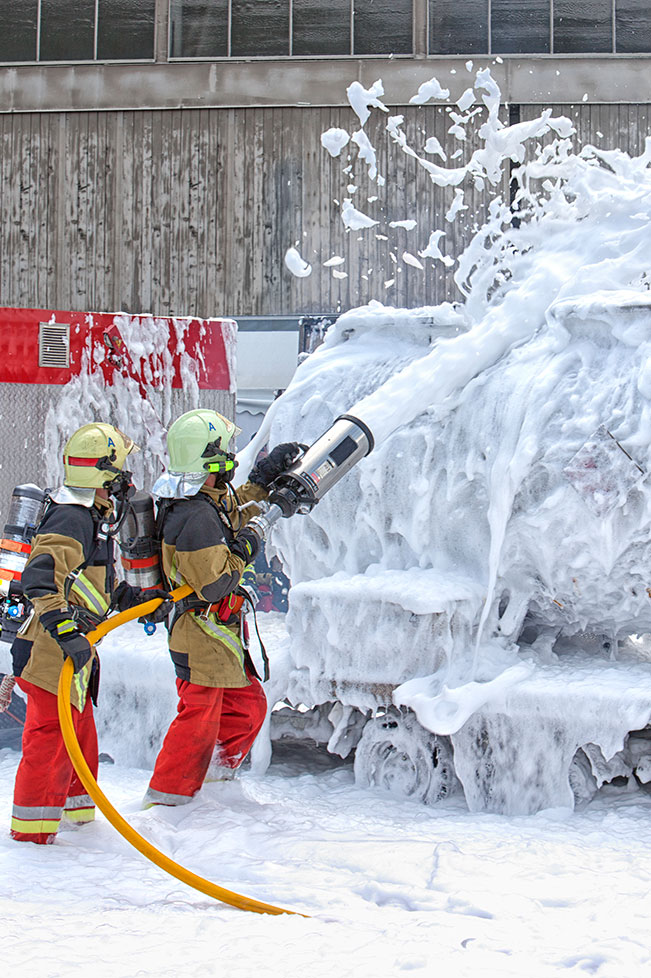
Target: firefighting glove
<point>163,611</point>
<point>126,596</point>
<point>275,463</point>
<point>64,630</point>
<point>247,543</point>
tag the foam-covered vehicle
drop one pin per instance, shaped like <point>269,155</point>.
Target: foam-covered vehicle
<point>465,601</point>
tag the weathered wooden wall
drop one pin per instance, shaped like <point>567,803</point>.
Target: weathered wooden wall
<point>190,211</point>
<point>607,126</point>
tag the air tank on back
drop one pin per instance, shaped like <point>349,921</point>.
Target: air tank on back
<point>139,548</point>
<point>25,511</point>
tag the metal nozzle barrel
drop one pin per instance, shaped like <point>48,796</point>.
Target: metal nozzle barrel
<point>323,465</point>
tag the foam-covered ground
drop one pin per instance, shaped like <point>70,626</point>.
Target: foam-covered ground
<point>391,887</point>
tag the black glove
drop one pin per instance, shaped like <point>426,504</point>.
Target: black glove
<point>247,543</point>
<point>163,611</point>
<point>127,596</point>
<point>64,630</point>
<point>275,463</point>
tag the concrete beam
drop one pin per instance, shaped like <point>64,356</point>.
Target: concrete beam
<point>254,83</point>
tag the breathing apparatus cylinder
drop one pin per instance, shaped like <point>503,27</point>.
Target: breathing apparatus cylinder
<point>139,545</point>
<point>25,511</point>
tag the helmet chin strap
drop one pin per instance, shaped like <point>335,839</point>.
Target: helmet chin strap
<point>122,489</point>
<point>224,478</point>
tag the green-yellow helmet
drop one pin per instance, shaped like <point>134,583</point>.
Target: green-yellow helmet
<point>94,454</point>
<point>198,444</point>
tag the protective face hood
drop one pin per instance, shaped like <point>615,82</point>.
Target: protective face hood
<point>177,485</point>
<point>69,496</point>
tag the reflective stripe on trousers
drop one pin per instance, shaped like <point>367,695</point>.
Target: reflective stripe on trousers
<point>153,797</point>
<point>79,809</point>
<point>36,820</point>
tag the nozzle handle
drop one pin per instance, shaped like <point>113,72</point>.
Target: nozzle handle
<point>262,524</point>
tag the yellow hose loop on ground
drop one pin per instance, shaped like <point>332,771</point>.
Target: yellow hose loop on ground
<point>102,802</point>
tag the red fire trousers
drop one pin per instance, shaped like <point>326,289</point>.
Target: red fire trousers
<point>207,718</point>
<point>46,783</point>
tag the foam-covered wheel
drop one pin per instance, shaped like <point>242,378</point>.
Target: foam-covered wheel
<point>582,781</point>
<point>399,756</point>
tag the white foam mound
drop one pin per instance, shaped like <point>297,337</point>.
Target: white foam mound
<point>478,411</point>
<point>475,486</point>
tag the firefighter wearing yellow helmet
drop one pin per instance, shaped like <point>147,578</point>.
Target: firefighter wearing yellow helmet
<point>94,455</point>
<point>207,544</point>
<point>70,581</point>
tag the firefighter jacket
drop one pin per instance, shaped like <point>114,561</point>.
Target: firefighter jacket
<point>206,649</point>
<point>70,566</point>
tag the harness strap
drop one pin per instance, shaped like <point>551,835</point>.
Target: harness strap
<point>162,509</point>
<point>72,581</point>
<point>263,651</point>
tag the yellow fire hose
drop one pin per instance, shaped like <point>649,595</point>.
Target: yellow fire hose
<point>102,802</point>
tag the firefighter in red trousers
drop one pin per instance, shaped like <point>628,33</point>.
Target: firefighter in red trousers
<point>207,544</point>
<point>70,581</point>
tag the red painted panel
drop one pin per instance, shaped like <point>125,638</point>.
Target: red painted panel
<point>202,340</point>
<point>19,345</point>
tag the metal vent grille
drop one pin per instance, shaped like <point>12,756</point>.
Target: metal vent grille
<point>54,345</point>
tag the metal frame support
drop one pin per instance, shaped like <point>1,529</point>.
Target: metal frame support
<point>161,30</point>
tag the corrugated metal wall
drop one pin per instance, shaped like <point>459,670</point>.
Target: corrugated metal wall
<point>190,212</point>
